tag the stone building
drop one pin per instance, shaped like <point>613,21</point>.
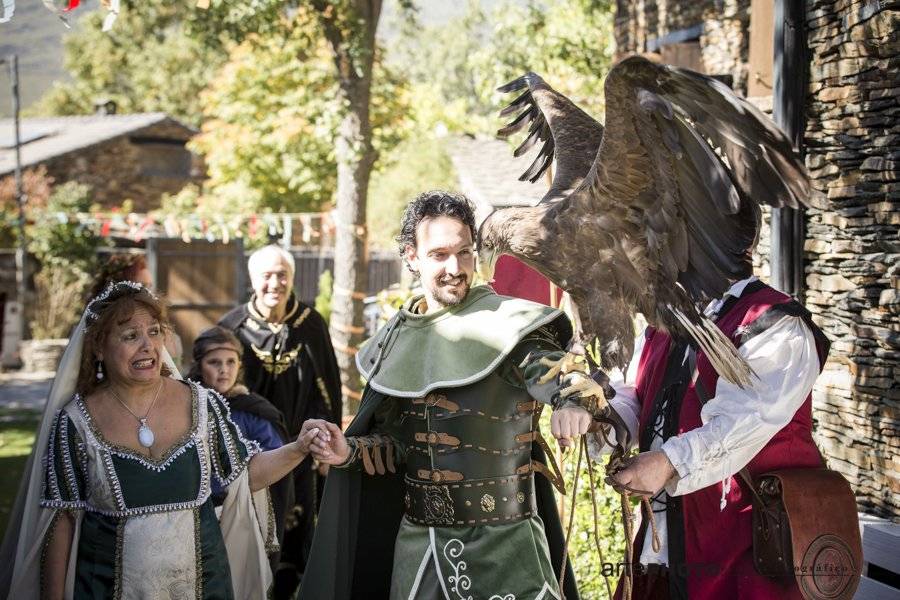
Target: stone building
<point>137,157</point>
<point>850,237</point>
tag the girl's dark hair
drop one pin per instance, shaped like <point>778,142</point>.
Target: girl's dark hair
<point>118,267</point>
<point>116,305</point>
<point>207,340</point>
<point>435,203</point>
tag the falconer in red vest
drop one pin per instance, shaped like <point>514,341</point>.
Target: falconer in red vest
<point>696,431</point>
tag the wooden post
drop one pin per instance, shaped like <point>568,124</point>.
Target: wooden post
<point>790,75</point>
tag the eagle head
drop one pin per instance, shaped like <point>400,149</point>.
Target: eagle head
<point>491,243</point>
<point>516,231</point>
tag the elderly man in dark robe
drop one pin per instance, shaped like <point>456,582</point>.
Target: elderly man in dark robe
<point>289,360</point>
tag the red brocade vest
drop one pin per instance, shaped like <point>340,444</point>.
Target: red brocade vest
<point>718,553</point>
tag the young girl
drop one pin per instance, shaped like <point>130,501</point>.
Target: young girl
<point>217,365</point>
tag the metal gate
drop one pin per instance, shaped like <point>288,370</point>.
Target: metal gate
<point>384,270</point>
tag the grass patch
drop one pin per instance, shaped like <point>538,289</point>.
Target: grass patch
<point>416,165</point>
<point>17,431</point>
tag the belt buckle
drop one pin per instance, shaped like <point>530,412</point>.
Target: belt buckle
<point>437,504</point>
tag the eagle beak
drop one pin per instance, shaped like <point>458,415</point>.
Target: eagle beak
<point>487,261</point>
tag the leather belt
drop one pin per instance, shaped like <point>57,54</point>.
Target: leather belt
<point>491,501</point>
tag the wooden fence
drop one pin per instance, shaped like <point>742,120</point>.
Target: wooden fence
<point>384,270</point>
<point>203,280</point>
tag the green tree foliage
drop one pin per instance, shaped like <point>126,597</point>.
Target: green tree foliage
<point>66,252</point>
<point>36,187</point>
<point>420,163</point>
<point>570,43</point>
<point>592,566</point>
<point>146,63</point>
<point>456,68</point>
<point>55,240</point>
<point>323,298</point>
<point>272,115</point>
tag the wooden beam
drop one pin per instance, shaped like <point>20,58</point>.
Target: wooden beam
<point>790,82</point>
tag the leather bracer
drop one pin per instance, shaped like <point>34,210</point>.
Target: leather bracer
<point>375,452</point>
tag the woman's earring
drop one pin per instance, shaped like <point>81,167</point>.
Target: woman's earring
<point>99,370</point>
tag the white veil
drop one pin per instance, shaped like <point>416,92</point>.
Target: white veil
<point>22,544</point>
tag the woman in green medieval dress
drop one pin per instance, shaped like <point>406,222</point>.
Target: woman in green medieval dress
<point>120,505</point>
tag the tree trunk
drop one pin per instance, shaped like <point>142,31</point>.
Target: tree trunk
<point>354,159</point>
<point>353,51</point>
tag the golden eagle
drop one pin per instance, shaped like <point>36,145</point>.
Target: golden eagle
<point>653,213</point>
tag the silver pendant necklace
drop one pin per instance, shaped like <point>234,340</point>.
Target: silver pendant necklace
<point>145,434</point>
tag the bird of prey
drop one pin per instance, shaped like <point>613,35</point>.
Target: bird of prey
<point>653,213</point>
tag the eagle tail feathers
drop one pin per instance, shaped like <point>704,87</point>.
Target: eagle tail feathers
<point>721,353</point>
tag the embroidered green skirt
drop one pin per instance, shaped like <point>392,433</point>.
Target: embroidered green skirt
<point>177,554</point>
<point>497,562</point>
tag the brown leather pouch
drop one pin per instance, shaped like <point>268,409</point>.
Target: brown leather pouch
<point>805,526</point>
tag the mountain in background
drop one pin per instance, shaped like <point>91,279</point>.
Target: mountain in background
<point>36,35</point>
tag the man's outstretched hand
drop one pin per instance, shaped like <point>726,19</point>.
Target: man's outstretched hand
<point>329,446</point>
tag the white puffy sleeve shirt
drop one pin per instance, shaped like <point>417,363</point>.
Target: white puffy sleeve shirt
<point>737,422</point>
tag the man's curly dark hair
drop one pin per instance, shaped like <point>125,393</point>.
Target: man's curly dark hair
<point>434,203</point>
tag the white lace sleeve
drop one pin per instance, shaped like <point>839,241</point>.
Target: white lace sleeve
<point>737,422</point>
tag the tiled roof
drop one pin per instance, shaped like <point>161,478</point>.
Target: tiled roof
<point>44,138</point>
<point>489,174</point>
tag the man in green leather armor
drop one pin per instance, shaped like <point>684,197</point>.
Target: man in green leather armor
<point>433,492</point>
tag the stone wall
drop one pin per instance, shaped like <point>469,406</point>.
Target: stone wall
<point>724,40</point>
<point>853,227</point>
<point>853,240</point>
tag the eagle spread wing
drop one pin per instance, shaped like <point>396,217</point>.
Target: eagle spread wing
<point>654,213</point>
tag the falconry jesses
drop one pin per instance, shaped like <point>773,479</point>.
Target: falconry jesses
<point>652,213</point>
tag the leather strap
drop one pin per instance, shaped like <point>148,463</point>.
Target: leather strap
<point>527,437</point>
<point>556,478</point>
<point>539,467</point>
<point>369,449</point>
<point>436,438</point>
<point>526,407</point>
<point>366,459</point>
<point>439,476</point>
<point>437,399</point>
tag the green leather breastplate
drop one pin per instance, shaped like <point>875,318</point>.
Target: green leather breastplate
<point>474,432</point>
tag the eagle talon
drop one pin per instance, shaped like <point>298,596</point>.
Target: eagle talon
<point>569,363</point>
<point>587,387</point>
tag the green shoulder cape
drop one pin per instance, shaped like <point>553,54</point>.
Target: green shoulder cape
<point>414,354</point>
